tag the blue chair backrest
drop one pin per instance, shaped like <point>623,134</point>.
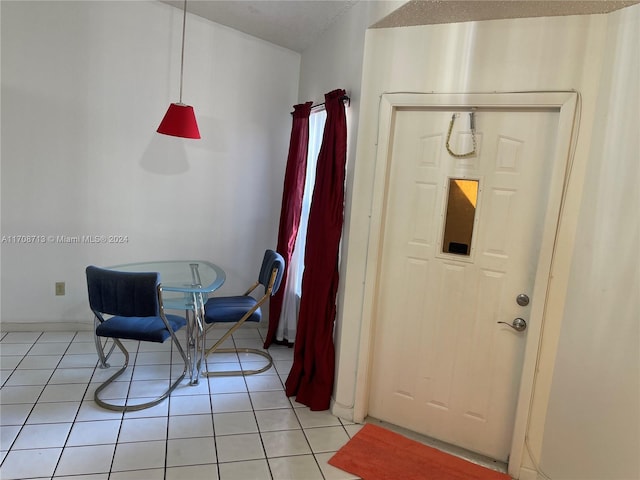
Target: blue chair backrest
<point>125,294</point>
<point>270,261</point>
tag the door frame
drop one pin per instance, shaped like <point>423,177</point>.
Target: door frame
<point>543,306</point>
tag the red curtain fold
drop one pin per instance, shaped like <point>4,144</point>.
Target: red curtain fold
<point>312,374</point>
<point>293,191</point>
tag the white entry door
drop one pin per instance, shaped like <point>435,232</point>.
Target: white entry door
<point>460,243</point>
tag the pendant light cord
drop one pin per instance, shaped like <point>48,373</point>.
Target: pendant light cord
<point>184,24</point>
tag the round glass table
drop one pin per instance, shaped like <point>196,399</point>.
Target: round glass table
<point>185,286</point>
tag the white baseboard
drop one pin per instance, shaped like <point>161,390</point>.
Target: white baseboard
<point>46,326</point>
<point>527,474</point>
<point>340,411</point>
<point>81,326</point>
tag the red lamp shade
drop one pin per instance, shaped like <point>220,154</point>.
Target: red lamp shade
<point>179,121</point>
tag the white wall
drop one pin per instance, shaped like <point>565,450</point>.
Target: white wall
<point>557,53</point>
<point>592,428</point>
<point>335,61</point>
<point>502,55</point>
<point>84,86</point>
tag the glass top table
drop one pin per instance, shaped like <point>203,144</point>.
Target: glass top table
<point>185,286</point>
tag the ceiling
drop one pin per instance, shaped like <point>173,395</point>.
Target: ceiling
<point>428,12</point>
<point>295,24</point>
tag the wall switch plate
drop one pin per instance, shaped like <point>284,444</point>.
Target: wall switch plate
<point>59,288</point>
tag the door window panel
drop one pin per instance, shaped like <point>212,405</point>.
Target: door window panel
<point>462,199</point>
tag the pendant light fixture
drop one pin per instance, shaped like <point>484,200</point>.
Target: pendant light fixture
<point>180,119</point>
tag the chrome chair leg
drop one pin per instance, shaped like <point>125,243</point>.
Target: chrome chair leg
<point>140,406</point>
<point>215,349</point>
<point>238,310</point>
<point>133,303</point>
<point>100,348</point>
<point>242,371</point>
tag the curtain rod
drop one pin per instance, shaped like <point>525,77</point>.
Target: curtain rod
<point>345,99</point>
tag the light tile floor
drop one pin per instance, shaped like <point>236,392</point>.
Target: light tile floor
<point>225,428</point>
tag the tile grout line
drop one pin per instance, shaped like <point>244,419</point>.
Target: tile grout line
<point>255,417</point>
<point>75,418</point>
<point>10,449</point>
<point>267,387</point>
<point>56,368</point>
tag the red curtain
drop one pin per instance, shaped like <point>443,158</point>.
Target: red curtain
<point>292,194</point>
<point>312,374</point>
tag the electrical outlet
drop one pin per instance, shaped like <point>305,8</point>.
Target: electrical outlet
<point>59,288</point>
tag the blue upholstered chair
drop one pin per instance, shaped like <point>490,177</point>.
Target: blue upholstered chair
<point>235,311</point>
<point>128,306</point>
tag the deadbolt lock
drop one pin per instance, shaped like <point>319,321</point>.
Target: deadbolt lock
<point>522,300</point>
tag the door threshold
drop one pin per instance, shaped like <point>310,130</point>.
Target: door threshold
<point>460,452</point>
